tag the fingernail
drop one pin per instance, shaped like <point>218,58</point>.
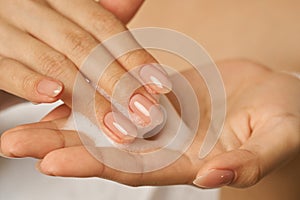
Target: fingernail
<point>148,112</point>
<point>156,79</point>
<point>49,88</point>
<point>120,127</point>
<point>214,179</point>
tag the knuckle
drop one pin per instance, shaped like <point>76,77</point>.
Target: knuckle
<point>110,78</point>
<point>81,43</point>
<point>54,64</point>
<point>104,24</point>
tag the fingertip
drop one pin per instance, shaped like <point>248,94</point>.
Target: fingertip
<point>214,178</point>
<point>49,88</point>
<point>119,128</point>
<point>155,79</point>
<point>63,163</point>
<point>238,168</point>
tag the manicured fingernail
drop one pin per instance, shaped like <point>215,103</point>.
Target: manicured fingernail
<point>122,129</point>
<point>49,88</point>
<point>146,110</point>
<point>214,179</point>
<point>156,79</point>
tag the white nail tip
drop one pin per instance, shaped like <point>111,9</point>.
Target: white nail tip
<point>57,90</point>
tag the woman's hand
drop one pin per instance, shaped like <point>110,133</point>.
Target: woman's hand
<point>261,133</point>
<point>44,42</point>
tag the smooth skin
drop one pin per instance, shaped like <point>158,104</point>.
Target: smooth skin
<point>261,133</point>
<point>45,42</point>
<point>263,31</point>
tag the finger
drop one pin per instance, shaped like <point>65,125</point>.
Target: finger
<point>102,25</point>
<point>59,29</point>
<point>57,124</point>
<point>39,57</point>
<point>37,142</point>
<point>55,64</point>
<point>62,162</point>
<point>21,81</point>
<point>60,112</point>
<point>247,165</point>
<point>123,9</point>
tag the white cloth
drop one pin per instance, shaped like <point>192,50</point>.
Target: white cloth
<point>20,181</point>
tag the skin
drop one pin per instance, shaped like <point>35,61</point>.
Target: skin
<point>258,100</point>
<point>60,60</point>
<point>243,48</point>
<point>59,47</point>
<point>264,31</point>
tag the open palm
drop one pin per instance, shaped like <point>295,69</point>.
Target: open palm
<point>262,131</point>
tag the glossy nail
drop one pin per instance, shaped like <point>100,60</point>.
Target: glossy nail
<point>49,88</point>
<point>156,79</point>
<point>122,130</point>
<point>214,179</point>
<point>146,110</point>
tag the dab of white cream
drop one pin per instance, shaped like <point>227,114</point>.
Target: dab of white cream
<point>141,108</point>
<point>156,81</point>
<point>120,128</point>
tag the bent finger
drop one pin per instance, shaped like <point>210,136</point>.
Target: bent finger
<point>77,44</point>
<point>57,65</point>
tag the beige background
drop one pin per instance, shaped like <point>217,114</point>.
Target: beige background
<point>267,31</point>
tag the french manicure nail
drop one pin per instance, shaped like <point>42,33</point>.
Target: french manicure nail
<point>214,179</point>
<point>148,112</point>
<point>120,126</point>
<point>151,75</point>
<point>49,88</point>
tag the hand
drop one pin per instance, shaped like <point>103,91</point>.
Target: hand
<point>261,132</point>
<point>44,42</point>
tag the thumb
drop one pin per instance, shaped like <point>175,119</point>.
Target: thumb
<point>266,149</point>
<point>237,167</point>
